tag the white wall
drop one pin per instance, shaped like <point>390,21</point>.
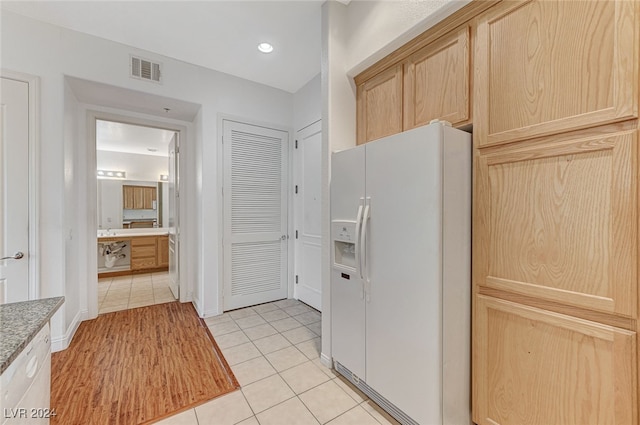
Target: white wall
<point>307,104</point>
<point>138,167</point>
<point>51,53</point>
<point>378,27</point>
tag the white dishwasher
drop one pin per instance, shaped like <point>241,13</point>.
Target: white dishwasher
<point>26,384</point>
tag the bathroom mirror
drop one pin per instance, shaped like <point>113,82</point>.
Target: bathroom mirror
<point>132,161</point>
<point>131,204</point>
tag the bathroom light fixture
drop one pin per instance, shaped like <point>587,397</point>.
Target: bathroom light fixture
<point>265,47</point>
<point>164,177</point>
<point>105,174</point>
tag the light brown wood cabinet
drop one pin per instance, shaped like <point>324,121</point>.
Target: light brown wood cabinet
<point>436,81</point>
<point>138,197</point>
<point>555,222</point>
<point>149,252</point>
<point>544,67</point>
<point>545,368</point>
<point>163,251</point>
<point>560,219</point>
<point>431,83</point>
<point>379,105</point>
<point>144,253</point>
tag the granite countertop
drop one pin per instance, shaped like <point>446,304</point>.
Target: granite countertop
<point>20,322</point>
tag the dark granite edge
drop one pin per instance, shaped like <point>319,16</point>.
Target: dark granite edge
<point>31,323</point>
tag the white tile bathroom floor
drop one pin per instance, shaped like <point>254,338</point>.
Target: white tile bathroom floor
<point>274,352</point>
<point>140,290</point>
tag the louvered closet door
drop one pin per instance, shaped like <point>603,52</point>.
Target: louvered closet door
<point>255,214</point>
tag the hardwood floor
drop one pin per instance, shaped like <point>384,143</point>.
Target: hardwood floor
<point>136,366</point>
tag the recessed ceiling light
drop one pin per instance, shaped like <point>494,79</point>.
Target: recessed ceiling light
<point>265,47</point>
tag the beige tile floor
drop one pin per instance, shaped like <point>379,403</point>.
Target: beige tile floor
<point>273,350</point>
<point>140,290</point>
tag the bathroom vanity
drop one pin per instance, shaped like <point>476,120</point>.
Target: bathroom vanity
<point>132,251</point>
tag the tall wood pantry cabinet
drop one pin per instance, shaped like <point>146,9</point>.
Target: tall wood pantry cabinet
<point>555,269</point>
<point>552,98</point>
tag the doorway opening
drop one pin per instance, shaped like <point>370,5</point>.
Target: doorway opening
<point>137,231</point>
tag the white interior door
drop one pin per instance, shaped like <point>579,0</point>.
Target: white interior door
<point>255,214</point>
<point>14,191</point>
<point>307,156</point>
<point>174,214</point>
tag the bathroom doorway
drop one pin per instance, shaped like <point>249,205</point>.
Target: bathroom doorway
<point>137,188</point>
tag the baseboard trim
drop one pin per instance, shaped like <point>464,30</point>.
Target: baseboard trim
<point>62,343</point>
<point>326,360</point>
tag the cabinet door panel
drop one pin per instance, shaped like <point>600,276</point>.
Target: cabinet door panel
<point>537,367</point>
<point>127,195</point>
<point>561,221</point>
<point>138,197</point>
<point>436,81</point>
<point>379,106</point>
<point>144,251</point>
<point>147,240</point>
<point>143,263</point>
<point>550,66</point>
<point>163,251</point>
<point>149,195</point>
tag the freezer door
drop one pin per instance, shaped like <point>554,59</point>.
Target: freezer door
<point>347,297</point>
<point>347,183</point>
<point>403,320</point>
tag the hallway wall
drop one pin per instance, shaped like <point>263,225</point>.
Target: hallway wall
<point>52,53</point>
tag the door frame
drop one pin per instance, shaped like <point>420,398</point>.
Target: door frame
<point>33,82</point>
<point>298,176</point>
<point>220,200</point>
<point>93,114</point>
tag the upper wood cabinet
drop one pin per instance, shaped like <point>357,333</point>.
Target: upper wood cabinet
<point>544,67</point>
<point>379,105</point>
<point>537,367</point>
<point>436,81</point>
<point>557,219</point>
<point>138,197</point>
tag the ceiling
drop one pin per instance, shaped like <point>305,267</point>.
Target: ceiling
<point>220,35</point>
<point>127,138</point>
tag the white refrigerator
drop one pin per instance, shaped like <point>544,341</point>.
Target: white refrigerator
<point>400,283</point>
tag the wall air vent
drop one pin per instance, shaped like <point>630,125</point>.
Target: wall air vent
<point>144,69</point>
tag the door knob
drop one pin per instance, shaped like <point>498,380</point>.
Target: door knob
<point>18,255</point>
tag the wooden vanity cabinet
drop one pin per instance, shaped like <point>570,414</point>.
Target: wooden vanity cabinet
<point>163,251</point>
<point>144,253</point>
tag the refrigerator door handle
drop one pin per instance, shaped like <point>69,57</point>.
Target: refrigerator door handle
<point>363,249</point>
<point>358,259</point>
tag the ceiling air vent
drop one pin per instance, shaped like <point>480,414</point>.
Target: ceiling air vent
<point>144,69</point>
